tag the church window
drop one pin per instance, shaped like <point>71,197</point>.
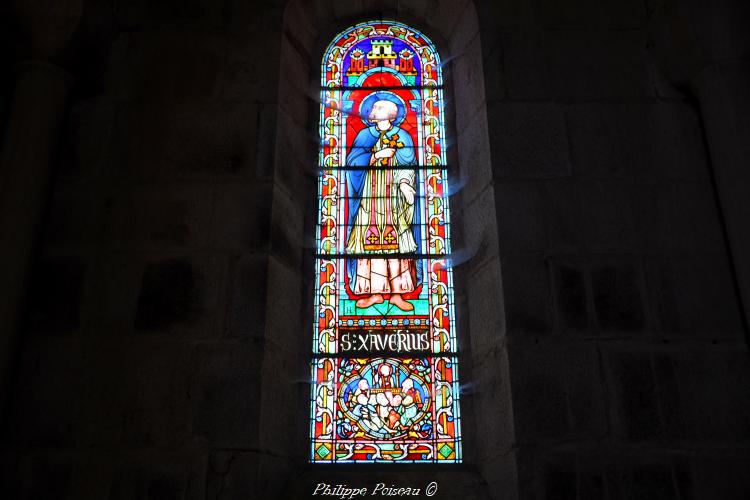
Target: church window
<point>384,368</point>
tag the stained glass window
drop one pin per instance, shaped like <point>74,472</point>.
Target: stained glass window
<point>384,369</point>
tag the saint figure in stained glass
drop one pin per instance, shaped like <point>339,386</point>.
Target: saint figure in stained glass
<point>382,208</point>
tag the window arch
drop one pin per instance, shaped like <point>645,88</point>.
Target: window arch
<point>384,369</point>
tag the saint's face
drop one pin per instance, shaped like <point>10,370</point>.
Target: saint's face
<point>381,112</point>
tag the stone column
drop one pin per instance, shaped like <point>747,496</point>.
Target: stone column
<point>703,47</point>
<point>723,91</point>
<point>28,150</point>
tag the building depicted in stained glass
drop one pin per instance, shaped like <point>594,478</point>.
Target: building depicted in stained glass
<point>384,369</point>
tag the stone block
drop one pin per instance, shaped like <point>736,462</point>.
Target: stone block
<point>559,473</point>
<point>713,400</point>
<point>304,18</point>
<point>565,213</point>
<point>180,295</point>
<point>490,399</point>
<point>608,216</point>
<point>499,473</point>
<point>139,71</point>
<point>619,15</point>
<point>652,481</point>
<point>298,94</point>
<point>46,406</point>
<point>526,64</point>
<point>243,19</point>
<point>664,88</point>
<point>288,238</point>
<point>232,474</point>
<point>595,215</point>
<point>44,476</point>
<point>115,287</point>
<point>285,399</point>
<point>520,216</point>
<point>249,284</point>
<point>485,309</point>
<point>241,218</point>
<point>608,140</point>
<point>618,298</point>
<point>506,15</point>
<point>723,477</point>
<point>592,480</point>
<point>226,393</point>
<point>635,412</point>
<point>570,294</point>
<point>74,217</point>
<point>695,297</point>
<point>527,296</point>
<point>296,157</point>
<point>586,65</point>
<point>187,139</point>
<point>643,139</point>
<point>668,392</point>
<point>577,65</point>
<point>677,217</point>
<point>196,14</point>
<point>158,216</point>
<point>57,294</point>
<point>275,472</point>
<point>557,393</point>
<point>576,15</point>
<point>598,473</point>
<point>248,75</point>
<point>676,146</point>
<point>528,140</point>
<point>86,138</point>
<point>560,481</point>
<point>166,296</point>
<point>472,173</point>
<point>9,473</point>
<point>104,394</point>
<point>158,475</point>
<point>493,63</point>
<point>265,140</point>
<point>607,14</point>
<point>284,324</point>
<point>476,224</point>
<point>466,51</point>
<point>136,394</point>
<point>149,392</point>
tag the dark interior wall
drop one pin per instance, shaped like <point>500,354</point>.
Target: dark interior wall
<point>143,340</point>
<point>629,366</point>
<point>140,366</point>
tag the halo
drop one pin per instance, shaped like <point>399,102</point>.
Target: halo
<point>366,106</point>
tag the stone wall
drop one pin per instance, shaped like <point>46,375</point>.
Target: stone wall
<point>139,373</point>
<point>158,356</point>
<point>628,355</point>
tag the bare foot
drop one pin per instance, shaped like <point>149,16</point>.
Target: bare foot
<point>372,299</point>
<point>402,304</point>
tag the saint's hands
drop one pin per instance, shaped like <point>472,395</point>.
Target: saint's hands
<point>408,192</point>
<point>385,153</point>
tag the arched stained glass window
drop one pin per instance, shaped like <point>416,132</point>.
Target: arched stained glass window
<point>384,370</point>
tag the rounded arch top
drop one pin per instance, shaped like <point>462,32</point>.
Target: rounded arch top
<point>376,45</point>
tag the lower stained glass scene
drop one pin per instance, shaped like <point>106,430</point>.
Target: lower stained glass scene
<point>385,409</point>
